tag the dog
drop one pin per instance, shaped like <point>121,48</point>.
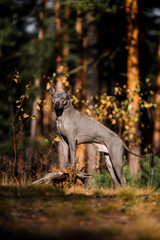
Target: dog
<point>75,128</point>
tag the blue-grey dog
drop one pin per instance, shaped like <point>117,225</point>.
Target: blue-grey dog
<point>77,128</point>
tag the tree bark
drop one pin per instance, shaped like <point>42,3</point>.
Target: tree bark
<point>91,55</point>
<point>35,128</point>
<point>47,112</point>
<point>156,133</point>
<point>133,76</point>
<point>37,82</point>
<point>91,76</point>
<point>59,69</point>
<point>66,49</point>
<point>80,85</point>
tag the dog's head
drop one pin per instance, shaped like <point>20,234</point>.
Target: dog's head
<point>60,99</point>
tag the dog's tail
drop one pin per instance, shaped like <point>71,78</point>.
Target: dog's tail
<point>129,151</point>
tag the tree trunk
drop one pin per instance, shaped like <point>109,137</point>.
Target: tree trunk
<point>59,69</point>
<point>80,85</point>
<point>35,123</point>
<point>66,49</point>
<point>133,78</point>
<point>37,81</point>
<point>47,112</point>
<point>35,112</point>
<point>156,133</point>
<point>91,55</point>
<point>91,76</point>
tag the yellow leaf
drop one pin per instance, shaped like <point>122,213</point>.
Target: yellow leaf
<point>27,86</point>
<point>63,79</point>
<point>25,115</point>
<point>22,97</point>
<point>146,150</point>
<point>27,96</point>
<point>15,79</point>
<point>46,140</point>
<point>48,86</point>
<point>88,112</point>
<point>151,92</point>
<point>77,90</point>
<point>62,67</point>
<point>66,83</point>
<point>40,101</point>
<point>103,101</point>
<point>53,142</point>
<point>136,119</point>
<point>19,119</point>
<point>54,74</point>
<point>33,117</point>
<point>22,110</point>
<point>90,106</point>
<point>38,107</point>
<point>56,139</point>
<point>116,89</point>
<point>97,157</point>
<point>151,105</point>
<point>113,121</point>
<point>18,106</point>
<point>131,136</point>
<point>17,101</point>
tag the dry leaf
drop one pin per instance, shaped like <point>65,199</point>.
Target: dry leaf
<point>48,86</point>
<point>33,117</point>
<point>38,107</point>
<point>56,139</point>
<point>25,115</point>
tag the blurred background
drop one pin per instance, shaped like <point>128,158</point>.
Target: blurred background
<point>108,51</point>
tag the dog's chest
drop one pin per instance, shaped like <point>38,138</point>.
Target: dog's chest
<point>61,127</point>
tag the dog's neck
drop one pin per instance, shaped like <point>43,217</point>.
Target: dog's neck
<point>61,112</point>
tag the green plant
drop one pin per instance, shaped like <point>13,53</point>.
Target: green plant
<point>102,180</point>
<point>131,179</point>
<point>150,171</point>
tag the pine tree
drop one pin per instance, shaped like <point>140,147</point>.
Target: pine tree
<point>133,77</point>
<point>156,132</point>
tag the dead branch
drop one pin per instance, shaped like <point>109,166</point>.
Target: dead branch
<point>61,177</point>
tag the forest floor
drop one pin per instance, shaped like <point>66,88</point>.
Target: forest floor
<point>42,212</point>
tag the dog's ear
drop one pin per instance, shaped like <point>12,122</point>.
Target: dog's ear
<point>69,90</point>
<point>53,89</point>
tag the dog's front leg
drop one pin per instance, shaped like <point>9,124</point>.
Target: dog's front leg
<point>65,152</point>
<point>72,148</point>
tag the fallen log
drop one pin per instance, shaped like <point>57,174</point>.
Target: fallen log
<point>61,177</point>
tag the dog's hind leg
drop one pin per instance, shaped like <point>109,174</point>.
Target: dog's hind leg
<point>117,156</point>
<point>119,172</point>
<point>111,170</point>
